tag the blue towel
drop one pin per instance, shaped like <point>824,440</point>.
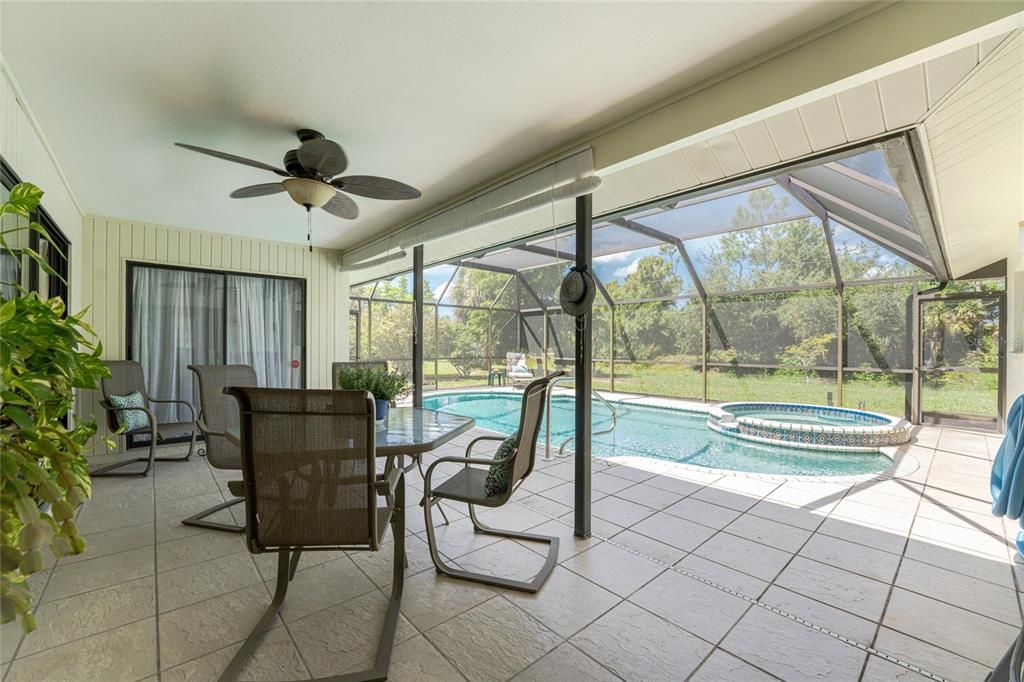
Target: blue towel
<point>1008,467</point>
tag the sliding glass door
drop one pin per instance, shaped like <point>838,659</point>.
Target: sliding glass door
<point>179,317</point>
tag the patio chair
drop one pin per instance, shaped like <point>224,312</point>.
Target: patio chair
<point>516,369</point>
<point>218,413</point>
<point>126,378</point>
<point>469,485</point>
<point>310,482</point>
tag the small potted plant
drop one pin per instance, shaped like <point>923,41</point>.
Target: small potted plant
<point>385,386</point>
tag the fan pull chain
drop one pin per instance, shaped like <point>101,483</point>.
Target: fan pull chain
<point>309,226</point>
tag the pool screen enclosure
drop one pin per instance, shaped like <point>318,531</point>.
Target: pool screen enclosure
<point>800,285</point>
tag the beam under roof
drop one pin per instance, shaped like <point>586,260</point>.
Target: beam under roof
<point>668,239</point>
<point>786,182</point>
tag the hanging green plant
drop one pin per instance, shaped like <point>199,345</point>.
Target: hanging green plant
<point>44,356</point>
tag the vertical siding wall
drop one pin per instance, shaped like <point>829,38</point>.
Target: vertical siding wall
<point>109,243</point>
<point>23,147</point>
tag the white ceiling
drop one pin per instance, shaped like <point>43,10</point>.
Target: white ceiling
<point>442,96</point>
<point>903,97</point>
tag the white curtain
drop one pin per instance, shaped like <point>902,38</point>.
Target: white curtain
<point>177,320</point>
<point>10,274</point>
<point>266,328</point>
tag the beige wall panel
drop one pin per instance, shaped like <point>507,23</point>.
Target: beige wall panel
<point>112,243</point>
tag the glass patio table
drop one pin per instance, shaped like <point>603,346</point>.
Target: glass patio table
<point>408,431</point>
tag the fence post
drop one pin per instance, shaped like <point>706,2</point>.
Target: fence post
<point>544,359</point>
<point>490,347</point>
<point>840,346</point>
<point>611,350</point>
<point>704,349</point>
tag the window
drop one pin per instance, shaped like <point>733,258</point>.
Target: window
<point>18,268</point>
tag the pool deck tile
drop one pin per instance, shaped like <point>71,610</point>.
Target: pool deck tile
<point>688,572</point>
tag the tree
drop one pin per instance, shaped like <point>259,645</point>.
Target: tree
<point>648,330</point>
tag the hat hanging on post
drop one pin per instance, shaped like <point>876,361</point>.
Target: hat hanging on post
<point>577,291</point>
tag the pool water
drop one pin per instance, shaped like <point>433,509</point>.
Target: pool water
<point>660,433</point>
<point>804,418</point>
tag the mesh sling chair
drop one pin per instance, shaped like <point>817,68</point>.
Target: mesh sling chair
<point>218,413</point>
<point>310,483</point>
<point>467,485</point>
<point>126,377</point>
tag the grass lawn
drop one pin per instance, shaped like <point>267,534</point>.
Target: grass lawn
<point>959,393</point>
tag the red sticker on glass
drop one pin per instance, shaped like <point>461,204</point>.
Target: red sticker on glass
<point>295,364</point>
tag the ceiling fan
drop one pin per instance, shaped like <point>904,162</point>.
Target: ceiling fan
<point>310,178</point>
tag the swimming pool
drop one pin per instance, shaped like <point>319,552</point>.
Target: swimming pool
<point>661,433</point>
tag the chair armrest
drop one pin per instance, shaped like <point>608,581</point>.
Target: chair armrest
<point>191,408</point>
<point>207,431</point>
<point>456,460</point>
<point>469,448</point>
<point>149,414</point>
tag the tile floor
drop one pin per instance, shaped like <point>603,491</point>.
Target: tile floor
<point>689,576</point>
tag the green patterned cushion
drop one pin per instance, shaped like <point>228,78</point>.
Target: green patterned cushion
<point>497,474</point>
<point>131,420</point>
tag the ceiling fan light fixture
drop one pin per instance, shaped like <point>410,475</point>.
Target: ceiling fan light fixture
<point>306,192</point>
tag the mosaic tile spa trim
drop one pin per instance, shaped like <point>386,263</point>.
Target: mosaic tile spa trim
<point>860,430</point>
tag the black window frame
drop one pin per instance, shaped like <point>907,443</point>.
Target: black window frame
<point>57,285</point>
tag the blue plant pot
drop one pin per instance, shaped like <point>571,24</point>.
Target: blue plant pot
<point>382,407</point>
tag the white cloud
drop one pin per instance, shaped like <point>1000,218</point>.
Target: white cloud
<point>614,257</point>
<point>627,270</point>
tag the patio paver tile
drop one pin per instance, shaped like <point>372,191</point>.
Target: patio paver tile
<point>493,641</point>
<point>567,603</point>
<point>100,572</point>
<point>699,609</point>
<point>928,656</point>
<point>966,634</point>
<point>276,658</point>
<point>767,532</point>
<point>614,569</point>
<point>850,556</point>
<point>849,591</point>
<point>959,590</point>
<point>753,558</point>
<point>345,637</point>
<point>124,653</point>
<point>637,645</point>
<point>566,663</point>
<point>722,666</point>
<point>672,530</point>
<point>792,651</point>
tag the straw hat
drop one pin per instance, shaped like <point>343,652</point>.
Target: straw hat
<point>577,292</point>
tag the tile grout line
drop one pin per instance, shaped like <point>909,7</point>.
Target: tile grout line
<point>156,580</point>
<point>899,564</point>
<point>756,602</point>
